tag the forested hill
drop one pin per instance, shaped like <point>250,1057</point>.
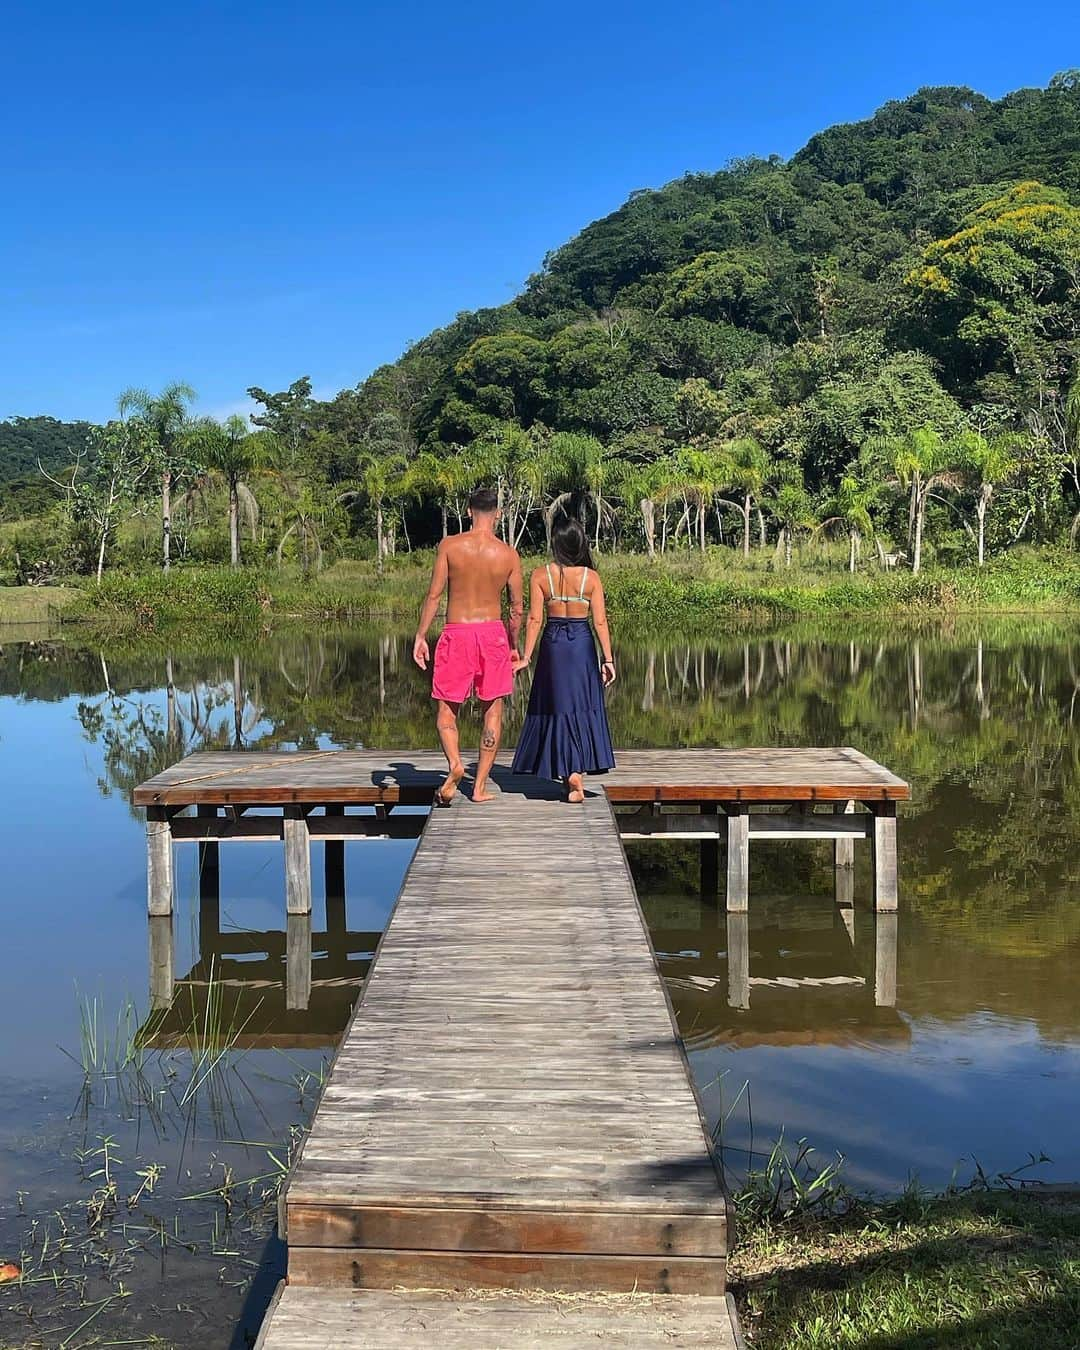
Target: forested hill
<point>24,443</point>
<point>916,269</point>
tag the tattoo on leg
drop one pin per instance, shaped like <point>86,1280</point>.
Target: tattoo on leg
<point>489,739</point>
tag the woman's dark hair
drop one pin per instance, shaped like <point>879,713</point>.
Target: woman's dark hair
<point>569,546</point>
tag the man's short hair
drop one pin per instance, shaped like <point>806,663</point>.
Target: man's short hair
<point>485,500</point>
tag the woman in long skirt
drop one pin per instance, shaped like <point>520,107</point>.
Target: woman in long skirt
<point>565,734</point>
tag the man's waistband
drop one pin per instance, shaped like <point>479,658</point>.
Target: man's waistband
<point>476,623</point>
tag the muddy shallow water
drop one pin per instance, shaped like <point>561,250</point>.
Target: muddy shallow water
<point>139,1155</point>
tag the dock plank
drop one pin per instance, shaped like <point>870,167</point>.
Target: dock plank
<point>368,777</point>
<point>312,1319</point>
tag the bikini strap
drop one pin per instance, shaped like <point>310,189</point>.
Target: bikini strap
<point>551,584</point>
<point>584,579</point>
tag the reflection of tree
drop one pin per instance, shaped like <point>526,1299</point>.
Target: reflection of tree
<point>139,739</point>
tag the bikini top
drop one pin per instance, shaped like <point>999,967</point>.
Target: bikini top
<point>580,599</point>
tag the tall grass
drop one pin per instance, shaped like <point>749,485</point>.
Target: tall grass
<point>683,593</point>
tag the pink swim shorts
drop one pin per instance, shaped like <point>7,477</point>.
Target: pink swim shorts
<point>472,655</point>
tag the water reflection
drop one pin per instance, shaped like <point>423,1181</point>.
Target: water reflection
<point>789,972</point>
<point>957,1027</point>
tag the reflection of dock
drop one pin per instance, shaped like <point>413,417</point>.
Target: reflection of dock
<point>286,991</point>
<point>781,975</point>
<point>509,1107</point>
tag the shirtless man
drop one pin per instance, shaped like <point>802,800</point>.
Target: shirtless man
<point>474,650</point>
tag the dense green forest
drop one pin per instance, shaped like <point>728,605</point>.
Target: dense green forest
<point>871,347</point>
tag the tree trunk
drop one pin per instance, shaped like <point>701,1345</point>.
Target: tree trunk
<point>234,523</point>
<point>166,518</point>
<point>238,706</point>
<point>379,538</point>
<point>761,527</point>
<point>787,546</point>
<point>101,554</point>
<point>648,516</point>
<point>748,502</point>
<point>599,517</point>
<point>980,510</point>
<point>920,516</point>
<point>701,524</point>
<point>852,536</point>
<point>445,521</point>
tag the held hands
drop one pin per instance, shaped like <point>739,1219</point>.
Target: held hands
<point>607,673</point>
<point>421,653</point>
<point>518,663</point>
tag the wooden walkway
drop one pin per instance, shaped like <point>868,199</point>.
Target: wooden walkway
<point>508,1150</point>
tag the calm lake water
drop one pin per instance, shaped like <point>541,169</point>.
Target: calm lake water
<point>139,1154</point>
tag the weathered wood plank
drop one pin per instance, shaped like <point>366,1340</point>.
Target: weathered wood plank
<point>389,777</point>
<point>370,1268</point>
<point>453,1229</point>
<point>313,1319</point>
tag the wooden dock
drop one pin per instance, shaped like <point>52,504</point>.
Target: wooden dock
<point>508,1150</point>
<point>737,796</point>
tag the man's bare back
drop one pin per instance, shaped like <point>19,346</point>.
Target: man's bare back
<point>478,569</point>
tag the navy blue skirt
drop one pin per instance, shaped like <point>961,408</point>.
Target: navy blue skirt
<point>566,728</point>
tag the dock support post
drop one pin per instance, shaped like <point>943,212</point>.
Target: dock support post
<point>710,861</point>
<point>885,926</point>
<point>297,861</point>
<point>336,921</point>
<point>209,887</point>
<point>738,858</point>
<point>159,861</point>
<point>161,961</point>
<point>885,865</point>
<point>297,961</point>
<point>844,864</point>
<point>738,959</point>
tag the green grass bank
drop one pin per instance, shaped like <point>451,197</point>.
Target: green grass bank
<point>685,595</point>
<point>983,1270</point>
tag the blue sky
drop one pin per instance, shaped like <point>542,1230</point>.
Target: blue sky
<point>241,193</point>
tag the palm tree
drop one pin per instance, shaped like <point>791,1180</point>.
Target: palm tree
<point>792,506</point>
<point>446,477</point>
<point>991,462</point>
<point>519,461</point>
<point>644,486</point>
<point>232,451</point>
<point>854,498</point>
<point>922,461</point>
<point>703,473</point>
<point>750,466</point>
<point>382,477</point>
<point>577,467</point>
<point>166,414</point>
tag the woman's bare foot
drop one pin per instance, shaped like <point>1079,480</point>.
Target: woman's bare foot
<point>576,787</point>
<point>445,795</point>
<point>480,793</point>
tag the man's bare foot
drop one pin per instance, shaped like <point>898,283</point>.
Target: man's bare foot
<point>445,795</point>
<point>480,793</point>
<point>576,788</point>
